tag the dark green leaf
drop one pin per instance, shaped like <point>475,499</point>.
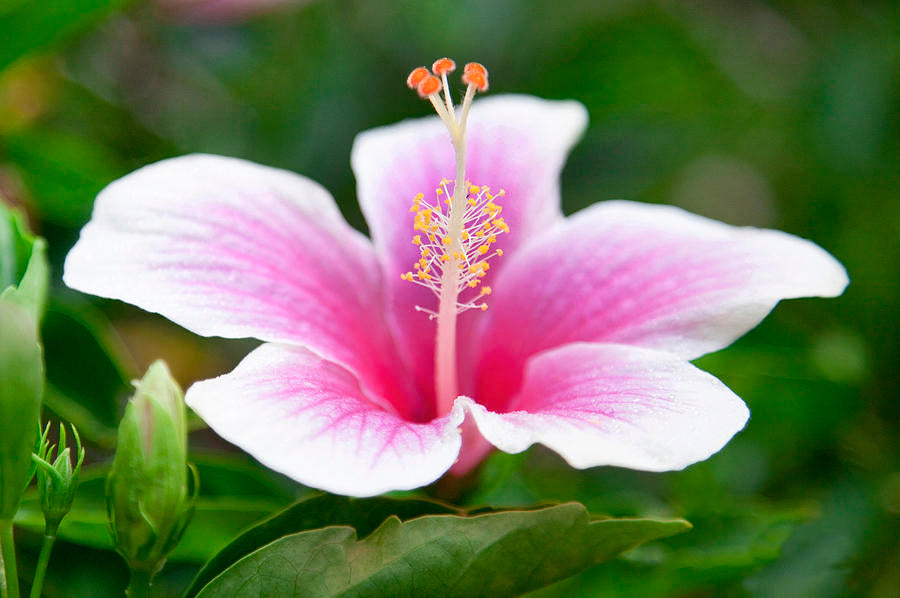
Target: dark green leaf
<point>363,514</point>
<point>498,554</point>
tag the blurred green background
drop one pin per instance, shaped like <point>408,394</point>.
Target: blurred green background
<point>777,114</point>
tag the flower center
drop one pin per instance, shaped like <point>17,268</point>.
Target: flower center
<point>481,223</point>
<point>456,232</point>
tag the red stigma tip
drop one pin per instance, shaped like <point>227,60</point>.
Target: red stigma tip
<point>428,86</point>
<point>416,77</point>
<point>443,66</point>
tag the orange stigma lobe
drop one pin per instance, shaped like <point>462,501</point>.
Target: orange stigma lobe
<point>442,66</point>
<point>416,77</point>
<point>476,77</point>
<point>428,86</point>
<point>429,83</point>
<point>475,67</point>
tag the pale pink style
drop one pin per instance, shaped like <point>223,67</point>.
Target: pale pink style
<point>585,347</point>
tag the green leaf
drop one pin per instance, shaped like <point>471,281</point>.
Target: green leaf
<point>21,387</point>
<point>320,510</point>
<point>47,21</point>
<point>498,554</point>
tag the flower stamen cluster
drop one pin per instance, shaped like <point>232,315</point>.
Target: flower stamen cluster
<point>482,224</point>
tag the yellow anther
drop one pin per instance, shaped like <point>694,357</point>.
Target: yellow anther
<point>417,240</point>
<point>408,276</point>
<point>483,249</point>
<point>446,241</point>
<point>439,191</point>
<point>445,258</point>
<point>483,306</point>
<point>473,284</point>
<point>485,290</point>
<point>431,238</point>
<point>474,189</point>
<point>465,236</point>
<point>426,252</point>
<point>492,239</point>
<point>499,252</point>
<point>472,202</point>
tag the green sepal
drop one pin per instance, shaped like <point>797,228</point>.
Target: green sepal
<point>24,270</point>
<point>58,481</point>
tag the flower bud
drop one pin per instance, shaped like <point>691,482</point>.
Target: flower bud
<point>147,492</point>
<point>57,479</point>
<point>21,388</point>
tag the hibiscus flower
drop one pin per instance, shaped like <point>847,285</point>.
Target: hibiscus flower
<point>478,316</point>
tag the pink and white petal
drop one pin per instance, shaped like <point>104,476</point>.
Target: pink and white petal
<point>603,404</point>
<point>646,275</point>
<point>309,419</point>
<point>515,143</point>
<point>230,248</point>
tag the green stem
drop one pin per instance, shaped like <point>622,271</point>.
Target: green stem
<point>46,547</point>
<point>8,548</point>
<point>139,584</point>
